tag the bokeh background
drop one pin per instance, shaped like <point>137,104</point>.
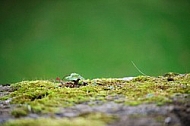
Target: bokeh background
<point>45,39</point>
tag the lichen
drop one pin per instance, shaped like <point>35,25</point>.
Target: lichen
<point>43,96</point>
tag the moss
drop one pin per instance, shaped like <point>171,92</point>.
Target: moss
<point>79,121</point>
<point>99,116</point>
<point>94,119</point>
<point>6,97</point>
<point>19,112</point>
<point>45,96</point>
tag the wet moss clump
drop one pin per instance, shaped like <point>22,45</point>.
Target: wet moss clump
<point>77,121</point>
<point>19,112</point>
<point>43,96</point>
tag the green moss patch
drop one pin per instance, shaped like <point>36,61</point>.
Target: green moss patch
<point>78,121</point>
<point>43,96</point>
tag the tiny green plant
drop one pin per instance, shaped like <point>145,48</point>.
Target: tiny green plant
<point>74,77</point>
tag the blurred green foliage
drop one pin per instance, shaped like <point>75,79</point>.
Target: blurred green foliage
<point>43,39</point>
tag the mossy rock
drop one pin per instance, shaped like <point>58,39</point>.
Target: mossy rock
<point>44,96</point>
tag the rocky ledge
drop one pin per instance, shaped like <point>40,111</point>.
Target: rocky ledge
<point>139,101</point>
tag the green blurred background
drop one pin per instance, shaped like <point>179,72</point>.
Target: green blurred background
<point>45,39</point>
